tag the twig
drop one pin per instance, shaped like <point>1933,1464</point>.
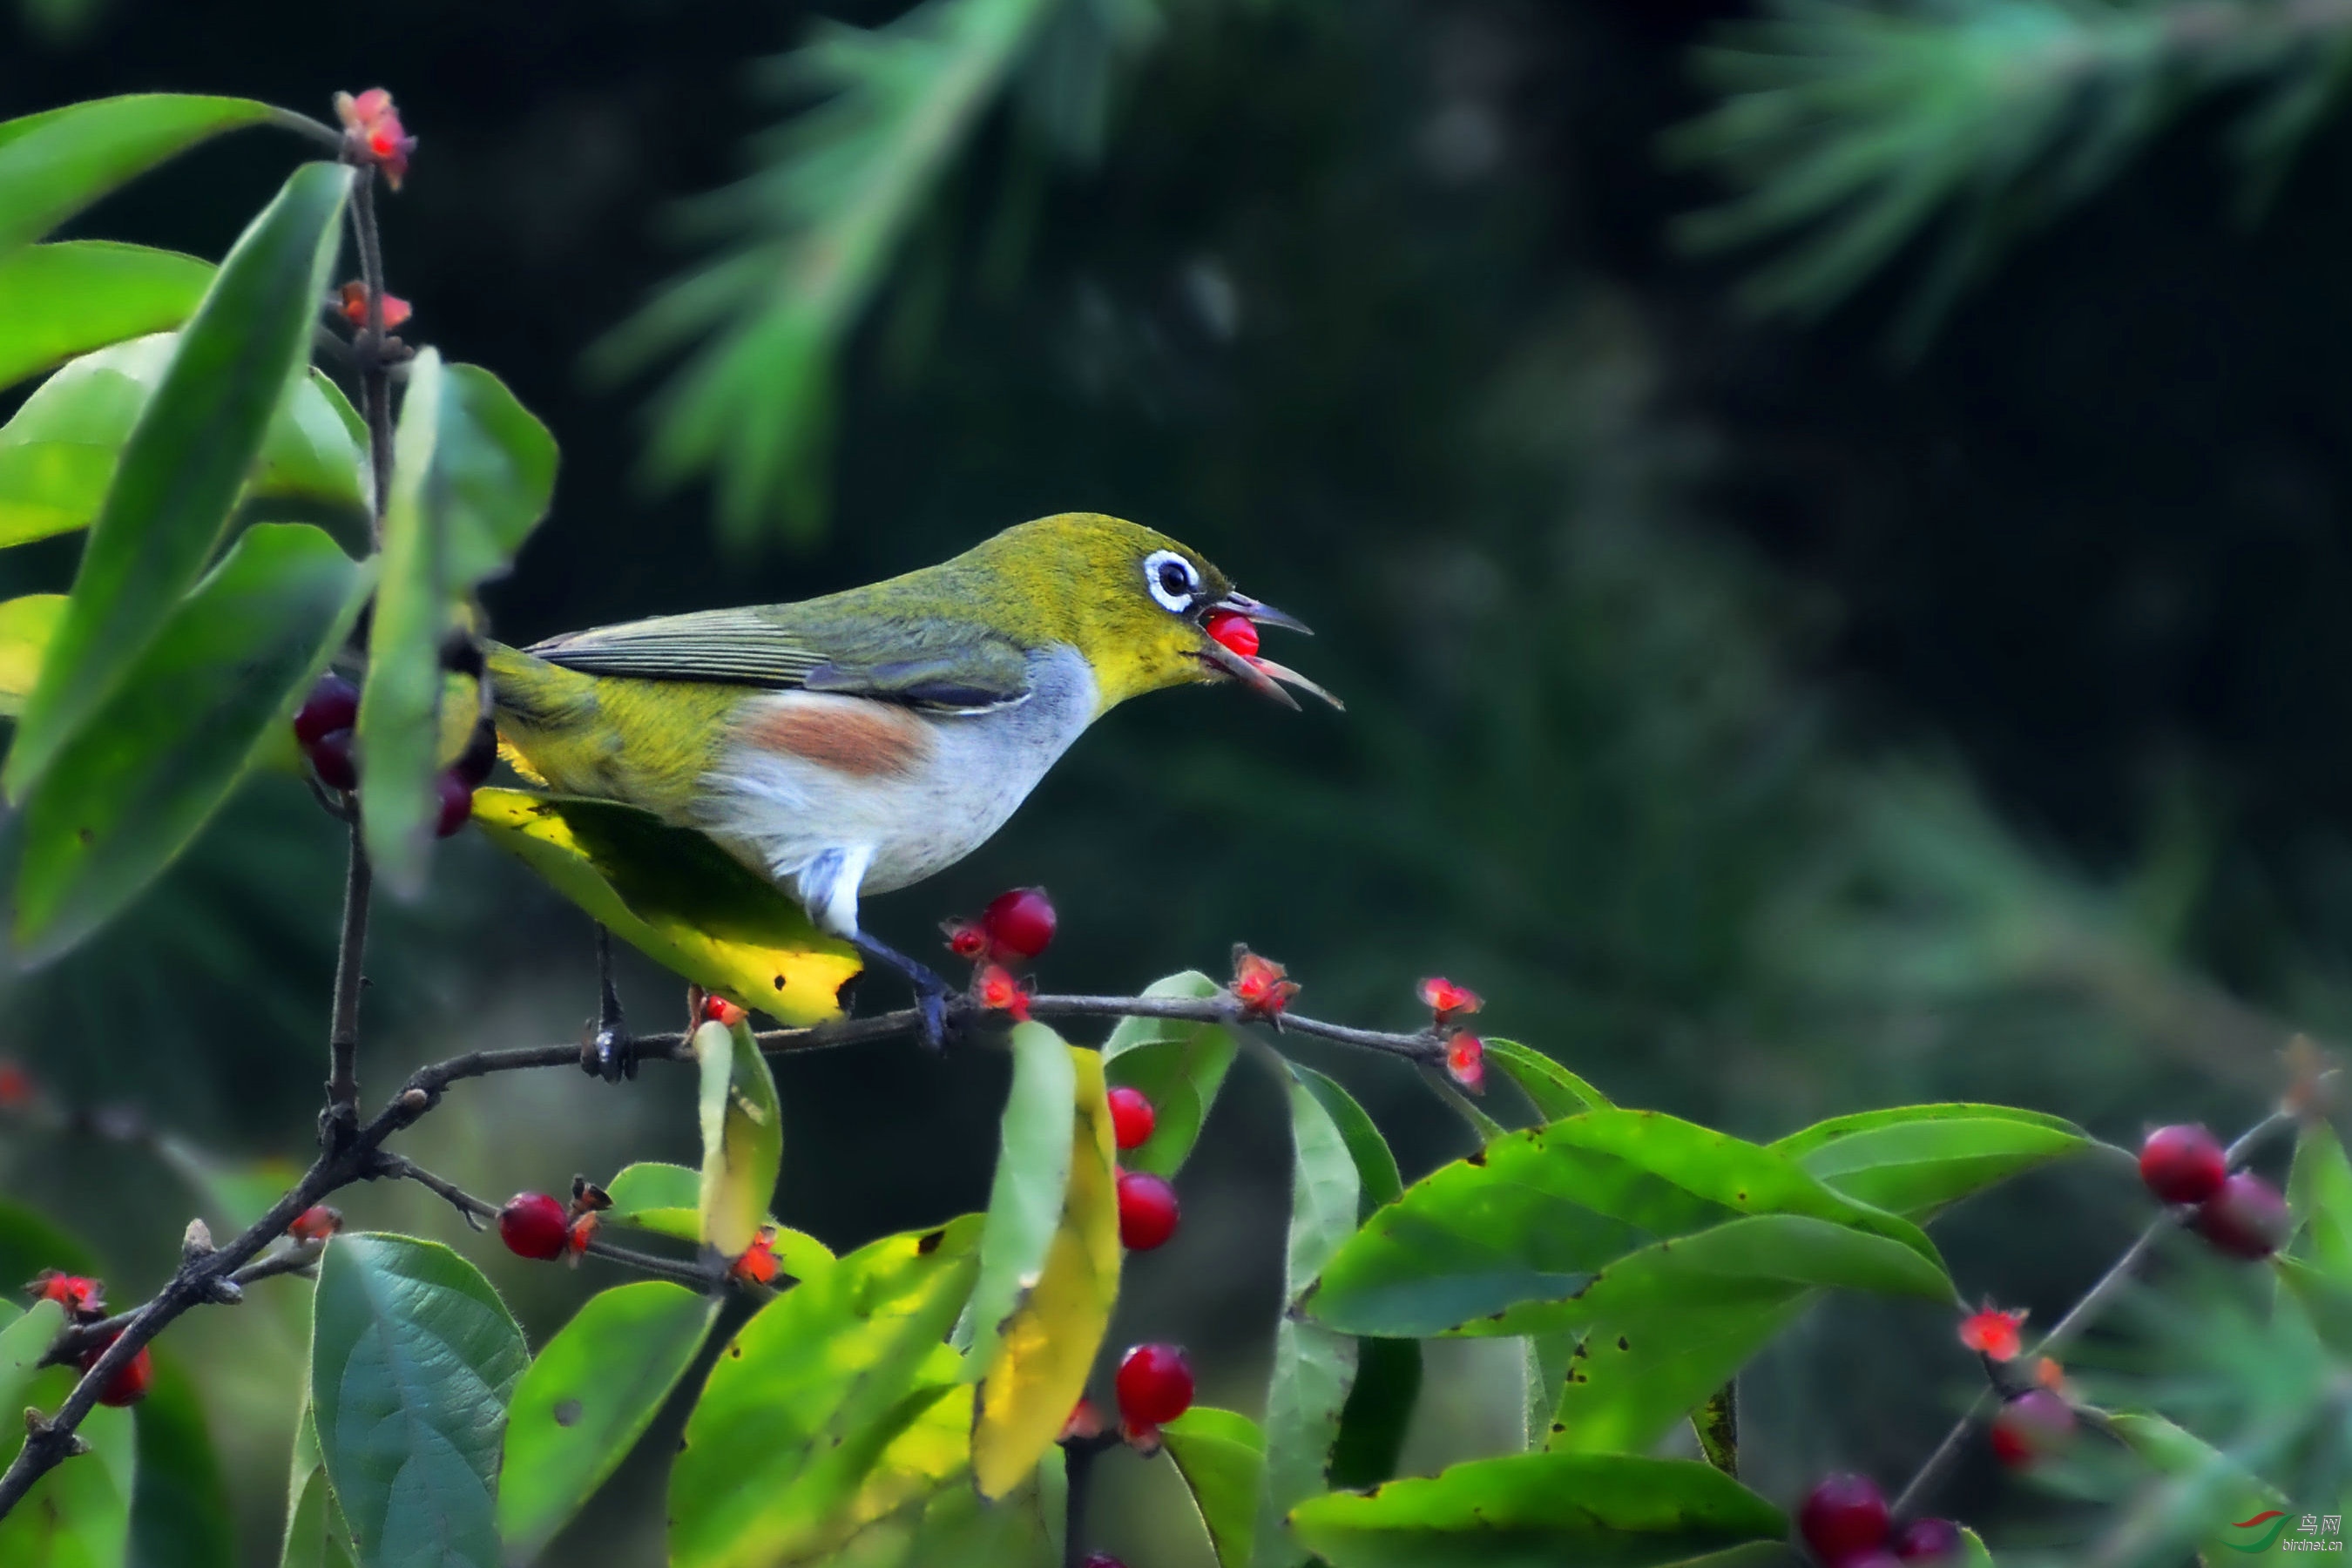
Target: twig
<point>2077,1319</point>
<point>1078,1456</point>
<point>478,1209</point>
<point>71,1345</point>
<point>340,1118</point>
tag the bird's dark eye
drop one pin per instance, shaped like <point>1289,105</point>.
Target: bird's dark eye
<point>1172,580</point>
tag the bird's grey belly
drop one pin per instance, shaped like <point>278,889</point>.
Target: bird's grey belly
<point>781,814</point>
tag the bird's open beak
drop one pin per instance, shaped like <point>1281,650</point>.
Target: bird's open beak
<point>1264,614</point>
<point>1262,675</point>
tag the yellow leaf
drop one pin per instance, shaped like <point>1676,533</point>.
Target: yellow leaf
<point>675,897</point>
<point>742,1135</point>
<point>25,628</point>
<point>1048,1345</point>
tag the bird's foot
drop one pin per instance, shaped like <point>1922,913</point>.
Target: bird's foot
<point>938,1005</point>
<point>605,1049</point>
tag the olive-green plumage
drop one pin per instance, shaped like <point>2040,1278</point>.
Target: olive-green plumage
<point>868,737</point>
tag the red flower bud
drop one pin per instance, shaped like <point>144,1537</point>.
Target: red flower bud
<point>83,1299</point>
<point>372,133</point>
<point>966,938</point>
<point>396,311</point>
<point>995,989</point>
<point>1085,1422</point>
<point>316,1223</point>
<point>1466,1062</point>
<point>758,1265</point>
<point>1447,1000</point>
<point>716,1009</point>
<point>1260,985</point>
<point>1993,1332</point>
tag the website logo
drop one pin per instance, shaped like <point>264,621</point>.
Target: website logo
<point>2312,1532</point>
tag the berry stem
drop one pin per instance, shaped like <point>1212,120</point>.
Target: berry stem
<point>477,1210</point>
<point>2077,1317</point>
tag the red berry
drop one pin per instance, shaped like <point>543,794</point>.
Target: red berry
<point>1020,923</point>
<point>716,1009</point>
<point>1235,630</point>
<point>1155,1385</point>
<point>533,1224</point>
<point>1101,1559</point>
<point>332,758</point>
<point>333,704</point>
<point>1844,1515</point>
<point>1131,1118</point>
<point>1928,1540</point>
<point>129,1383</point>
<point>2182,1164</point>
<point>1147,1211</point>
<point>16,1089</point>
<point>2247,1218</point>
<point>457,804</point>
<point>2031,1424</point>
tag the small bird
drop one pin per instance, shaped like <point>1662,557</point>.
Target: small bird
<point>859,742</point>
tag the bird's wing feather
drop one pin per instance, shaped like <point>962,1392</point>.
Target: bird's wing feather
<point>928,663</point>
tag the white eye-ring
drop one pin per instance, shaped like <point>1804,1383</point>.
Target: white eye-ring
<point>1172,580</point>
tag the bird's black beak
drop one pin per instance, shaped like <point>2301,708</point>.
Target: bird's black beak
<point>1264,614</point>
<point>1262,675</point>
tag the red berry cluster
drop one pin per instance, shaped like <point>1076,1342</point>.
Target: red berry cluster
<point>1014,928</point>
<point>1844,1524</point>
<point>324,727</point>
<point>84,1301</point>
<point>1148,1210</point>
<point>2240,1215</point>
<point>535,1225</point>
<point>1465,1052</point>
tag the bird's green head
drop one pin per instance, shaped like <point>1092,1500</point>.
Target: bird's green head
<point>1134,601</point>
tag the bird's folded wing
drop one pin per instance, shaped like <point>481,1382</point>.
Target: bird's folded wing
<point>932,664</point>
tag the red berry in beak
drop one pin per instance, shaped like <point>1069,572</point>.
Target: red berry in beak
<point>1843,1517</point>
<point>2247,1218</point>
<point>1020,923</point>
<point>1234,630</point>
<point>1131,1118</point>
<point>2182,1164</point>
<point>1155,1385</point>
<point>1148,1210</point>
<point>534,1224</point>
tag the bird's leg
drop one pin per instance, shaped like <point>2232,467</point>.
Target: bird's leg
<point>932,994</point>
<point>607,1052</point>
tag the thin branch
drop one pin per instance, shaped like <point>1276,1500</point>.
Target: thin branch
<point>477,1210</point>
<point>300,1259</point>
<point>2078,1317</point>
<point>341,1117</point>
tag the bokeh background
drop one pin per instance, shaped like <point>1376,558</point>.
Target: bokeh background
<point>1912,673</point>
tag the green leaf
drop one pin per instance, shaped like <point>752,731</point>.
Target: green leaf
<point>1540,1510</point>
<point>1379,1412</point>
<point>62,449</point>
<point>677,898</point>
<point>472,474</point>
<point>668,1201</point>
<point>179,1508</point>
<point>79,1513</point>
<point>60,301</point>
<point>1378,1180</point>
<point>1314,1366</point>
<point>413,1360</point>
<point>1972,1550</point>
<point>22,1342</point>
<point>1553,1090</point>
<point>1629,1382</point>
<point>1505,1241</point>
<point>2319,1196</point>
<point>30,1243</point>
<point>742,1137</point>
<point>1045,1346</point>
<point>129,792</point>
<point>55,163</point>
<point>188,459</point>
<point>588,1397</point>
<point>26,625</point>
<point>834,1408</point>
<point>1918,1160</point>
<point>1178,1066</point>
<point>1222,1456</point>
<point>1034,1156</point>
<point>2205,1490</point>
<point>317,1534</point>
